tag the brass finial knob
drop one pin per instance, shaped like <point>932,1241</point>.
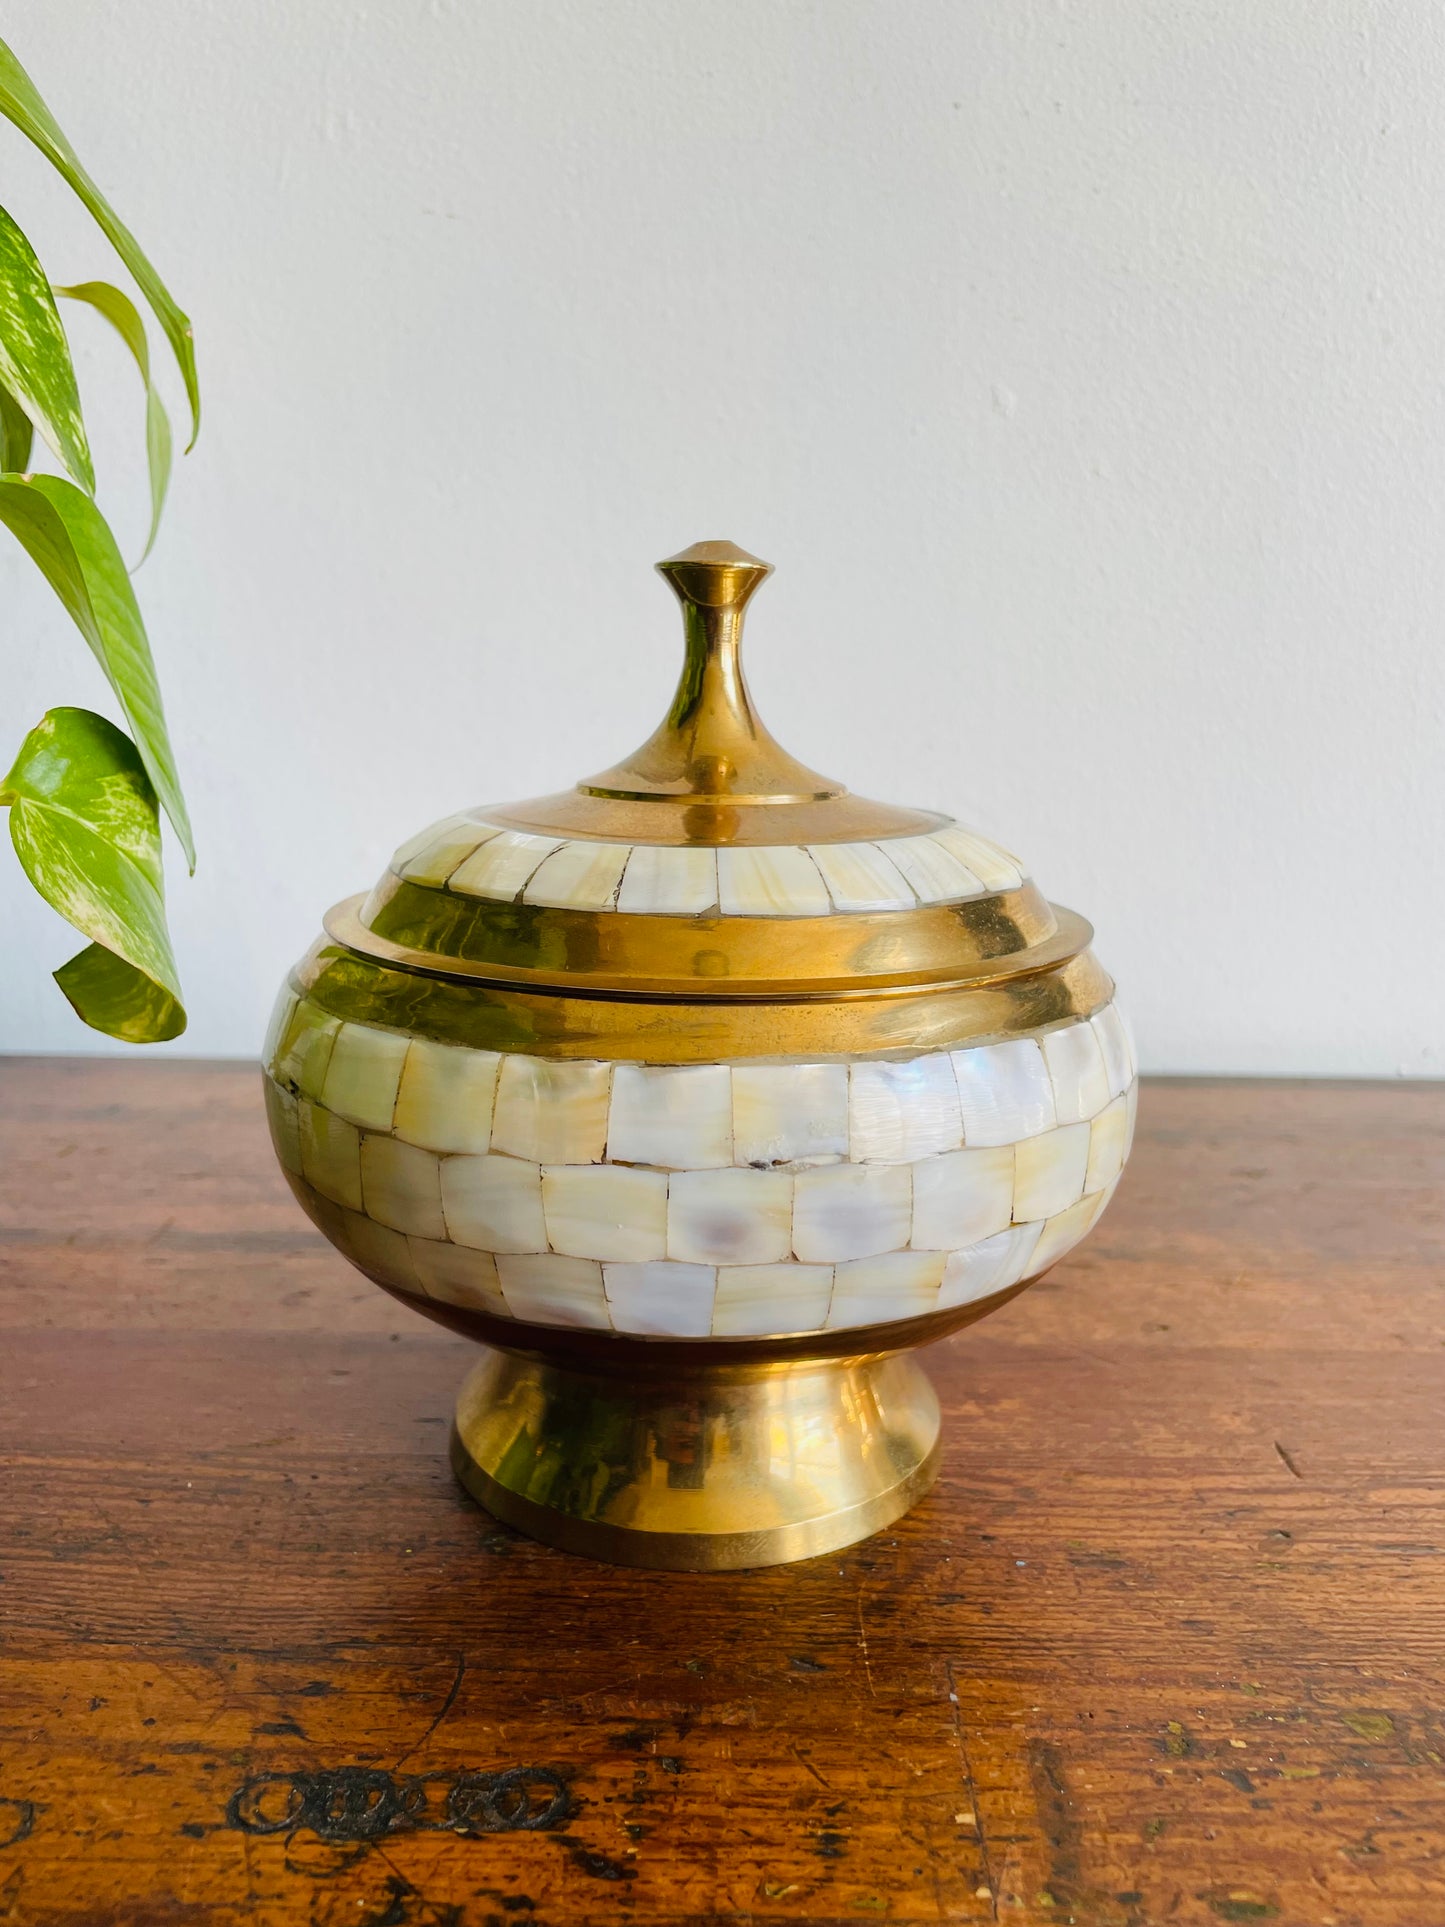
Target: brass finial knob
<point>714,575</point>
<point>711,746</point>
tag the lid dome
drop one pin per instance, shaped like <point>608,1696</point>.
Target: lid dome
<point>709,864</point>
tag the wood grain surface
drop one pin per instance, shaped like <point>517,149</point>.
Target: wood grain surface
<point>1165,1645</point>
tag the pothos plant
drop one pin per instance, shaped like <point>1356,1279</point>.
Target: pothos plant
<point>84,795</point>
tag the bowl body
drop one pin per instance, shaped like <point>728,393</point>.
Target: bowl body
<point>560,1185</point>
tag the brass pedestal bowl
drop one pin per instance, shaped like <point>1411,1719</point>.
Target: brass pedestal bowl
<point>700,1095</point>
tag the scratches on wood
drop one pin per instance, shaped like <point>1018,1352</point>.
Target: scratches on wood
<point>446,1706</point>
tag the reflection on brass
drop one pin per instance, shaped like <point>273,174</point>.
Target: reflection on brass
<point>839,819</point>
<point>985,938</point>
<point>698,1469</point>
<point>552,1023</point>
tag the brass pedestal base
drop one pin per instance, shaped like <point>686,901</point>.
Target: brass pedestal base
<point>698,1468</point>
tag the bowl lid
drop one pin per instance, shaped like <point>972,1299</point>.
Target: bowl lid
<point>708,864</point>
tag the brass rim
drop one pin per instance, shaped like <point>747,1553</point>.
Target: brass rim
<point>607,954</point>
<point>587,814</point>
<point>694,1551</point>
<point>559,1022</point>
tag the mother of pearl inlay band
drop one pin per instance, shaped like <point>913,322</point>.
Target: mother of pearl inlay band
<point>700,1200</point>
<point>472,857</point>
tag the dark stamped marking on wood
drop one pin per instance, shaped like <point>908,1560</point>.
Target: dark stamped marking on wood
<point>17,1821</point>
<point>346,1804</point>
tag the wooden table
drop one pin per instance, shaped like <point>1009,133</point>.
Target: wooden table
<point>1165,1645</point>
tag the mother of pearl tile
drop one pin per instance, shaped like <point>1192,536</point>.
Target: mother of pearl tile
<point>502,865</point>
<point>401,1186</point>
<point>458,1276</point>
<point>994,1264</point>
<point>1114,1043</point>
<point>962,1197</point>
<point>759,1301</point>
<point>994,867</point>
<point>549,1290</point>
<point>1107,1137</point>
<point>843,1211</point>
<point>283,1115</point>
<point>661,1300</point>
<point>378,1249</point>
<point>445,1097</point>
<point>435,833</point>
<point>730,1217</point>
<point>424,839</point>
<point>774,881</point>
<point>1004,1091</point>
<point>431,857</point>
<point>605,1211</point>
<point>875,1291</point>
<point>1129,1038</point>
<point>1019,1261</point>
<point>363,1074</point>
<point>901,1111</point>
<point>663,882</point>
<point>1064,1230</point>
<point>550,1110</point>
<point>579,876</point>
<point>1049,1172</point>
<point>444,858</point>
<point>493,1203</point>
<point>935,874</point>
<point>1076,1071</point>
<point>783,1113</point>
<point>674,1115</point>
<point>305,1048</point>
<point>861,876</point>
<point>282,1013</point>
<point>975,1271</point>
<point>330,1154</point>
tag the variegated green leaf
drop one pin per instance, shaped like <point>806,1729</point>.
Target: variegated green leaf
<point>68,538</point>
<point>111,995</point>
<point>121,312</point>
<point>35,360</point>
<point>21,103</point>
<point>17,434</point>
<point>85,827</point>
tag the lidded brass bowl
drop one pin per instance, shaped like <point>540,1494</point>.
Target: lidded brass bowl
<point>699,1095</point>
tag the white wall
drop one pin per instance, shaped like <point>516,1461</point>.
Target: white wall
<point>1080,363</point>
